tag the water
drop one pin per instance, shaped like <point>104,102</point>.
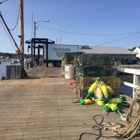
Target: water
<point>3,64</point>
<point>126,90</point>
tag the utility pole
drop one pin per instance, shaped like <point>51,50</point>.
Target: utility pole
<point>21,33</point>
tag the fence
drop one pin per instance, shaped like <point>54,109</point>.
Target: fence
<point>136,77</point>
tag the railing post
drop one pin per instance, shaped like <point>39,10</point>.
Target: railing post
<point>135,82</point>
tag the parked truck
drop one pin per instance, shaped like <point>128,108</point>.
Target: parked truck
<point>55,52</point>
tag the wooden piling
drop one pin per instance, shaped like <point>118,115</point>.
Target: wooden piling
<point>13,72</point>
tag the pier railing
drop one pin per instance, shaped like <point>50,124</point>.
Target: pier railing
<point>136,77</point>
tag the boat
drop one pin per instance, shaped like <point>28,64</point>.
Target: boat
<point>15,61</point>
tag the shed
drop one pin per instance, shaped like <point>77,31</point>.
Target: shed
<point>121,52</point>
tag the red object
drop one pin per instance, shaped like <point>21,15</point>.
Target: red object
<point>137,52</point>
<point>71,83</point>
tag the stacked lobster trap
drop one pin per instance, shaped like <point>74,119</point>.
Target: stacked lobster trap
<point>69,58</point>
<point>90,66</point>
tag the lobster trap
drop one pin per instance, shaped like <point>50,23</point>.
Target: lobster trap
<point>69,58</point>
<point>97,59</point>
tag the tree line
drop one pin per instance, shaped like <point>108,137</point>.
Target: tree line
<point>12,55</point>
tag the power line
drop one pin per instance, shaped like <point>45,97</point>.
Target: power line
<point>117,39</point>
<point>132,34</point>
<point>16,22</point>
<point>87,33</point>
<point>7,34</point>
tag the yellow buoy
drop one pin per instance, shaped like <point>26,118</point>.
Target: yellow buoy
<point>100,103</point>
<point>85,101</point>
<point>110,90</point>
<point>104,90</point>
<point>92,88</point>
<point>99,94</point>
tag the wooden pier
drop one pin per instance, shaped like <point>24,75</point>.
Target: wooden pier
<point>43,107</point>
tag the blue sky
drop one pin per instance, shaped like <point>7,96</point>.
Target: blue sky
<point>77,22</point>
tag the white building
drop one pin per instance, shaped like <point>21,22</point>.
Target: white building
<point>137,52</point>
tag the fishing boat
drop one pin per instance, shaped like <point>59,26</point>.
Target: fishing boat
<point>15,61</point>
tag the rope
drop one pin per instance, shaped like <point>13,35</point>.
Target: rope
<point>132,127</point>
<point>98,127</point>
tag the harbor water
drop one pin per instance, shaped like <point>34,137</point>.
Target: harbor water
<point>3,64</point>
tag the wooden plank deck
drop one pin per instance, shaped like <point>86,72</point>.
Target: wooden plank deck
<point>44,109</point>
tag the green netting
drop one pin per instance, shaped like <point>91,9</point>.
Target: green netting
<point>95,71</point>
<point>97,59</point>
<point>71,56</point>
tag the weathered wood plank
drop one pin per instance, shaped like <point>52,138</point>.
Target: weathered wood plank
<point>13,72</point>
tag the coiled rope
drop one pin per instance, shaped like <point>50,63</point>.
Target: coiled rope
<point>132,127</point>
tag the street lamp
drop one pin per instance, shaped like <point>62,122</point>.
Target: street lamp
<point>36,27</point>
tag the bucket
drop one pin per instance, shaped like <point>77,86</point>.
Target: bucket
<point>69,71</point>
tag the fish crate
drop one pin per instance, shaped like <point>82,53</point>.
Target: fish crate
<point>96,71</point>
<point>86,82</point>
<point>97,59</point>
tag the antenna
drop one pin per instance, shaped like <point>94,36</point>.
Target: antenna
<point>32,25</point>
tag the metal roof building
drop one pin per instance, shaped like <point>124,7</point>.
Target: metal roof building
<point>121,52</point>
<point>106,50</point>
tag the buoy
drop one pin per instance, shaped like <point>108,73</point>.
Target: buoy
<point>99,94</point>
<point>92,88</point>
<point>100,103</point>
<point>85,101</point>
<point>117,100</point>
<point>104,90</point>
<point>106,107</point>
<point>115,109</point>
